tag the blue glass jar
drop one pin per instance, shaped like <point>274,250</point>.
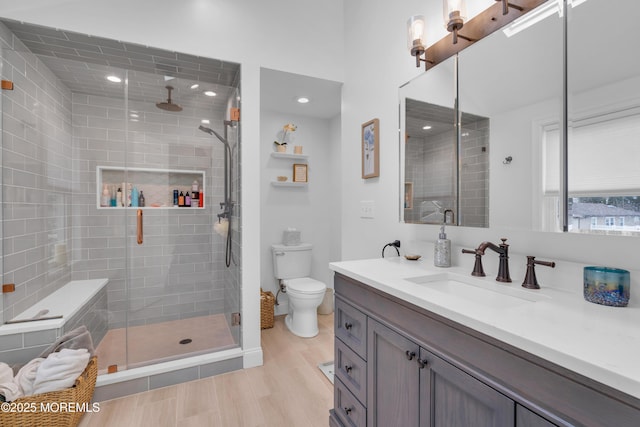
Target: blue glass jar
<point>606,286</point>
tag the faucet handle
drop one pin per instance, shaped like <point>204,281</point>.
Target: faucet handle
<point>530,280</point>
<point>478,271</point>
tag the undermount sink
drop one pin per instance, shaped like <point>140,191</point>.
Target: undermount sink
<point>480,291</point>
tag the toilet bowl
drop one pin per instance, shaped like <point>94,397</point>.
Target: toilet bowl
<point>292,267</point>
<point>305,295</point>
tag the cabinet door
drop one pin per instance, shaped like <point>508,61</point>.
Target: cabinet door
<point>393,380</point>
<point>526,418</point>
<point>453,398</point>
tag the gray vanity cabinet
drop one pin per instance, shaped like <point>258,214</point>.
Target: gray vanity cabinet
<point>409,386</point>
<point>451,397</point>
<point>425,370</point>
<point>527,418</point>
<point>394,382</point>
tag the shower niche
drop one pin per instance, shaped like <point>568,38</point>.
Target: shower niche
<point>157,185</point>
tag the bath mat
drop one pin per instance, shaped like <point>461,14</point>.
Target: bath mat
<point>327,370</point>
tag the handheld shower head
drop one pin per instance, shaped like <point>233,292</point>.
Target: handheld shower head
<point>213,132</point>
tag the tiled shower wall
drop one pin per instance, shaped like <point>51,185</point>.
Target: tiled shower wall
<point>179,270</point>
<point>37,179</point>
<point>430,167</point>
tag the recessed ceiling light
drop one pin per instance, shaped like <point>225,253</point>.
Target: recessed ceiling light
<point>427,127</point>
<point>114,79</point>
<point>134,115</point>
<point>210,93</point>
<point>195,86</point>
<point>204,121</point>
<point>303,100</point>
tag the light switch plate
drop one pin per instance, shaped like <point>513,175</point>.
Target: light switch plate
<point>367,209</point>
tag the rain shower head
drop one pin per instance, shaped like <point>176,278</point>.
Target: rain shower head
<point>169,106</point>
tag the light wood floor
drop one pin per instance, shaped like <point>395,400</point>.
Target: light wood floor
<point>288,390</point>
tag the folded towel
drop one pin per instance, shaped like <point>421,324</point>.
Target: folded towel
<point>6,373</point>
<point>60,370</point>
<point>77,338</point>
<point>27,375</point>
<point>10,390</point>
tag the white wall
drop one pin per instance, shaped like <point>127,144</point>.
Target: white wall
<point>299,36</point>
<point>308,209</point>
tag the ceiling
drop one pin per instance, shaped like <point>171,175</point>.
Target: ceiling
<point>279,92</point>
<point>82,63</point>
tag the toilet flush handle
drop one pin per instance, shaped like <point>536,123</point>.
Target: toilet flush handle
<point>279,253</point>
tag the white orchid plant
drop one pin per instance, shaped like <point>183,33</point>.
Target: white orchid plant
<point>289,127</point>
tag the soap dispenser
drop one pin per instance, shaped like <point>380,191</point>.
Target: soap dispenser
<point>442,254</point>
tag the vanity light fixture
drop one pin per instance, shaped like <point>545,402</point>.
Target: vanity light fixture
<point>114,79</point>
<point>506,5</point>
<point>416,39</point>
<point>454,14</point>
<point>480,26</point>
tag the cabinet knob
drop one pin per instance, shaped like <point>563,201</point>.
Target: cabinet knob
<point>422,363</point>
<point>410,355</point>
<point>348,410</point>
<point>348,325</point>
<point>348,368</point>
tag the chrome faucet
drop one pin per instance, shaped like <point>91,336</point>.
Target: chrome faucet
<point>502,250</point>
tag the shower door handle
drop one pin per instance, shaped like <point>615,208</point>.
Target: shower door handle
<point>140,232</point>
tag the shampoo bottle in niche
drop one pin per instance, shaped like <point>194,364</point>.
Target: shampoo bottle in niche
<point>135,197</point>
<point>442,253</point>
<point>106,197</point>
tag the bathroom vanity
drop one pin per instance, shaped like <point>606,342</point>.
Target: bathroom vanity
<point>420,346</point>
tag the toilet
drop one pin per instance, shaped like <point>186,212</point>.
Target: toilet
<point>292,265</point>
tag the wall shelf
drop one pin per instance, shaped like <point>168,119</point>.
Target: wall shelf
<point>289,156</point>
<point>288,184</point>
<point>156,184</point>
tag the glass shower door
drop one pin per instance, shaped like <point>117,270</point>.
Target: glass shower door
<point>178,299</point>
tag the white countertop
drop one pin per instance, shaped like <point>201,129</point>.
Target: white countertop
<point>599,342</point>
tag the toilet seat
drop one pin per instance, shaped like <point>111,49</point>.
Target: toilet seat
<point>304,285</point>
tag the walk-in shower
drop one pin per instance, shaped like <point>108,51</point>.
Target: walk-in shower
<point>92,160</point>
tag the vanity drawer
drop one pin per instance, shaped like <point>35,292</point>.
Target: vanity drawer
<point>351,370</point>
<point>351,327</point>
<point>349,410</point>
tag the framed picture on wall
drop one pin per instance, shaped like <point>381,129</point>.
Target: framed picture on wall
<point>370,149</point>
<point>300,172</point>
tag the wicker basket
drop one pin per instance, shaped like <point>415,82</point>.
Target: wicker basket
<point>267,302</point>
<point>46,409</point>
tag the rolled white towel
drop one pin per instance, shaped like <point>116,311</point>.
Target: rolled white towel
<point>60,370</point>
<point>10,390</point>
<point>6,373</point>
<point>26,376</point>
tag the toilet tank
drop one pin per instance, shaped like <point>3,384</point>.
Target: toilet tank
<point>290,262</point>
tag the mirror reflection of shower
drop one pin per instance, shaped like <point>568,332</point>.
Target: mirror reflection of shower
<point>227,205</point>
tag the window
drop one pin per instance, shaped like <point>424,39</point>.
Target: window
<point>594,221</point>
<point>621,221</point>
<point>609,221</point>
